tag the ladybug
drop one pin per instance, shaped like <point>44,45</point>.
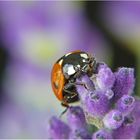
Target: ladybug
<point>66,70</point>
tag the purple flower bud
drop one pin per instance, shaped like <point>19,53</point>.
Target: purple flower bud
<point>81,133</point>
<point>102,134</point>
<point>101,65</point>
<point>97,103</point>
<point>105,77</point>
<point>136,114</point>
<point>58,129</point>
<point>124,82</point>
<point>113,119</point>
<point>136,111</point>
<point>128,130</point>
<point>76,117</point>
<point>82,91</point>
<point>109,93</point>
<point>125,104</point>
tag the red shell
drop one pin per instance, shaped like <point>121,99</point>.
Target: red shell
<point>57,81</point>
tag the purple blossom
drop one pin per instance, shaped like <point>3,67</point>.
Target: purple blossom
<point>113,119</point>
<point>81,133</point>
<point>128,130</point>
<point>105,77</point>
<point>136,111</point>
<point>97,103</point>
<point>125,104</point>
<point>109,93</point>
<point>58,129</point>
<point>102,134</point>
<point>124,82</point>
<point>81,89</point>
<point>76,117</point>
<point>107,104</point>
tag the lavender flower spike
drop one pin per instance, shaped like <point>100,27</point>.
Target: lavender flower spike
<point>81,133</point>
<point>107,110</point>
<point>113,119</point>
<point>109,93</point>
<point>124,82</point>
<point>58,129</point>
<point>128,130</point>
<point>81,89</point>
<point>76,117</point>
<point>105,77</point>
<point>125,104</point>
<point>97,103</point>
<point>102,134</point>
<point>136,110</point>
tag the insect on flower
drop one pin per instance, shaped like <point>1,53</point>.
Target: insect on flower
<point>64,74</point>
<point>107,110</point>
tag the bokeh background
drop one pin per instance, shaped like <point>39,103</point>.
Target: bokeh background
<point>34,34</point>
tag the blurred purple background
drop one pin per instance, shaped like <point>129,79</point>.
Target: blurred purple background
<point>35,34</point>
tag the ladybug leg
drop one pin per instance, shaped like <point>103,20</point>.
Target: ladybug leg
<point>63,112</point>
<point>75,84</point>
<point>64,104</point>
<point>66,99</point>
<point>82,84</point>
<point>71,95</point>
